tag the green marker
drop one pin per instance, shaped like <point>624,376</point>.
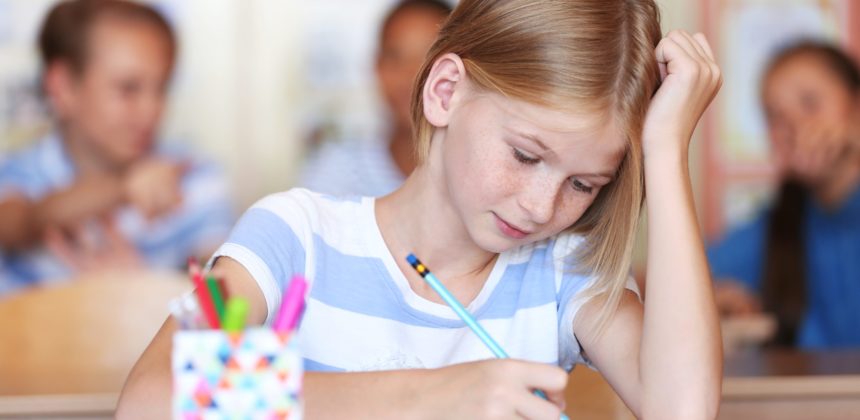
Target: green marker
<point>237,312</point>
<point>217,299</point>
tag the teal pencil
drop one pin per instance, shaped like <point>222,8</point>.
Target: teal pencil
<point>461,311</point>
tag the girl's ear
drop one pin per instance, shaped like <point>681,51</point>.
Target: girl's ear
<point>446,77</point>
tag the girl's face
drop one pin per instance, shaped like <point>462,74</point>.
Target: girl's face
<point>518,173</point>
<point>808,108</point>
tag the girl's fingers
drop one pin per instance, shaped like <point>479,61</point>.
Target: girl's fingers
<point>531,406</point>
<point>675,59</point>
<point>684,44</point>
<point>681,50</point>
<point>700,55</point>
<point>703,42</point>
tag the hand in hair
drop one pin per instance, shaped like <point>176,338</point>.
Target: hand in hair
<point>690,80</point>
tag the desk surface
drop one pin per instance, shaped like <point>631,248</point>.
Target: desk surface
<point>789,385</point>
<point>49,388</point>
<point>784,374</point>
<point>792,363</point>
<point>51,366</point>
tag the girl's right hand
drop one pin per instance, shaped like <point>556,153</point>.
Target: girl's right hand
<point>495,389</point>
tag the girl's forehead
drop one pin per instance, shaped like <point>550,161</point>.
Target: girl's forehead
<point>550,123</point>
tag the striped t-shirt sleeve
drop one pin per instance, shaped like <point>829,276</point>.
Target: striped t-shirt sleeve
<point>573,293</point>
<point>271,240</point>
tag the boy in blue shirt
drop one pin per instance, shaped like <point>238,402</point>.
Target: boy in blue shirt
<point>99,191</point>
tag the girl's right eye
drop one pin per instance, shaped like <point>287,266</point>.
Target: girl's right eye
<point>524,158</point>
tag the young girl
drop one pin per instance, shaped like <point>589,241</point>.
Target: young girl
<point>798,260</point>
<point>533,142</point>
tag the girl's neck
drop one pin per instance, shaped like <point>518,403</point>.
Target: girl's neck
<point>419,218</point>
<point>843,181</point>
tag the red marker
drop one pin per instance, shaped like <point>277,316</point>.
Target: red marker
<point>203,296</point>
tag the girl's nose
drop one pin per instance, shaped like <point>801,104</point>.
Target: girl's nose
<point>539,201</point>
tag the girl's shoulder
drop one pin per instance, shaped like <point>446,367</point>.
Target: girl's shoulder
<point>552,258</point>
<point>308,203</point>
<point>325,216</point>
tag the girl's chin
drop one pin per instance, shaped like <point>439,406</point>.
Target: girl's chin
<point>496,243</point>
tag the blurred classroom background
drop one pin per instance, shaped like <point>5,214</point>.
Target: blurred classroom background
<point>259,85</point>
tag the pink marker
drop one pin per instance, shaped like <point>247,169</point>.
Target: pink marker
<point>291,305</point>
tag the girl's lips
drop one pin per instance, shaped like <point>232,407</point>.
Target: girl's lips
<point>509,229</point>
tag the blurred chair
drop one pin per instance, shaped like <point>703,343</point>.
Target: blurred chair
<point>66,350</point>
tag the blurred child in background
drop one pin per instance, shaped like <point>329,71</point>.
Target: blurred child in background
<point>800,259</point>
<point>377,167</point>
<point>100,191</point>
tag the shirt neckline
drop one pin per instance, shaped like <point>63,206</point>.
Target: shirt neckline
<point>412,299</point>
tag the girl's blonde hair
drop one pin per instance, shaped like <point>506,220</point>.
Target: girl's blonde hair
<point>592,56</point>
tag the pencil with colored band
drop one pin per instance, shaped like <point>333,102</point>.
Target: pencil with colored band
<point>461,311</point>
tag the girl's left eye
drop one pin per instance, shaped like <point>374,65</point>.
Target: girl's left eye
<point>523,158</point>
<point>579,186</point>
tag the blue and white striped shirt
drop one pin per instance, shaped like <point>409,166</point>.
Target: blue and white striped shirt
<point>361,312</point>
<point>199,225</point>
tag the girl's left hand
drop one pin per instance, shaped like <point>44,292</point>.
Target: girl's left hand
<point>691,79</point>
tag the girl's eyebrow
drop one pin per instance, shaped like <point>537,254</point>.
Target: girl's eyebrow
<point>535,140</point>
<point>606,175</point>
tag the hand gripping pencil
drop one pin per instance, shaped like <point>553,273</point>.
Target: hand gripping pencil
<point>458,308</point>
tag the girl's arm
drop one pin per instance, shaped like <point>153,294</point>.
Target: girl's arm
<point>486,389</point>
<point>665,360</point>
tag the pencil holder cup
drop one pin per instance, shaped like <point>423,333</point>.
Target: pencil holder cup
<point>253,374</point>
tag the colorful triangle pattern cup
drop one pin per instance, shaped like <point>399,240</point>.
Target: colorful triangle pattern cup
<point>255,374</point>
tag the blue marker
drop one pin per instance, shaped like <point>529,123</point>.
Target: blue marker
<point>458,308</point>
